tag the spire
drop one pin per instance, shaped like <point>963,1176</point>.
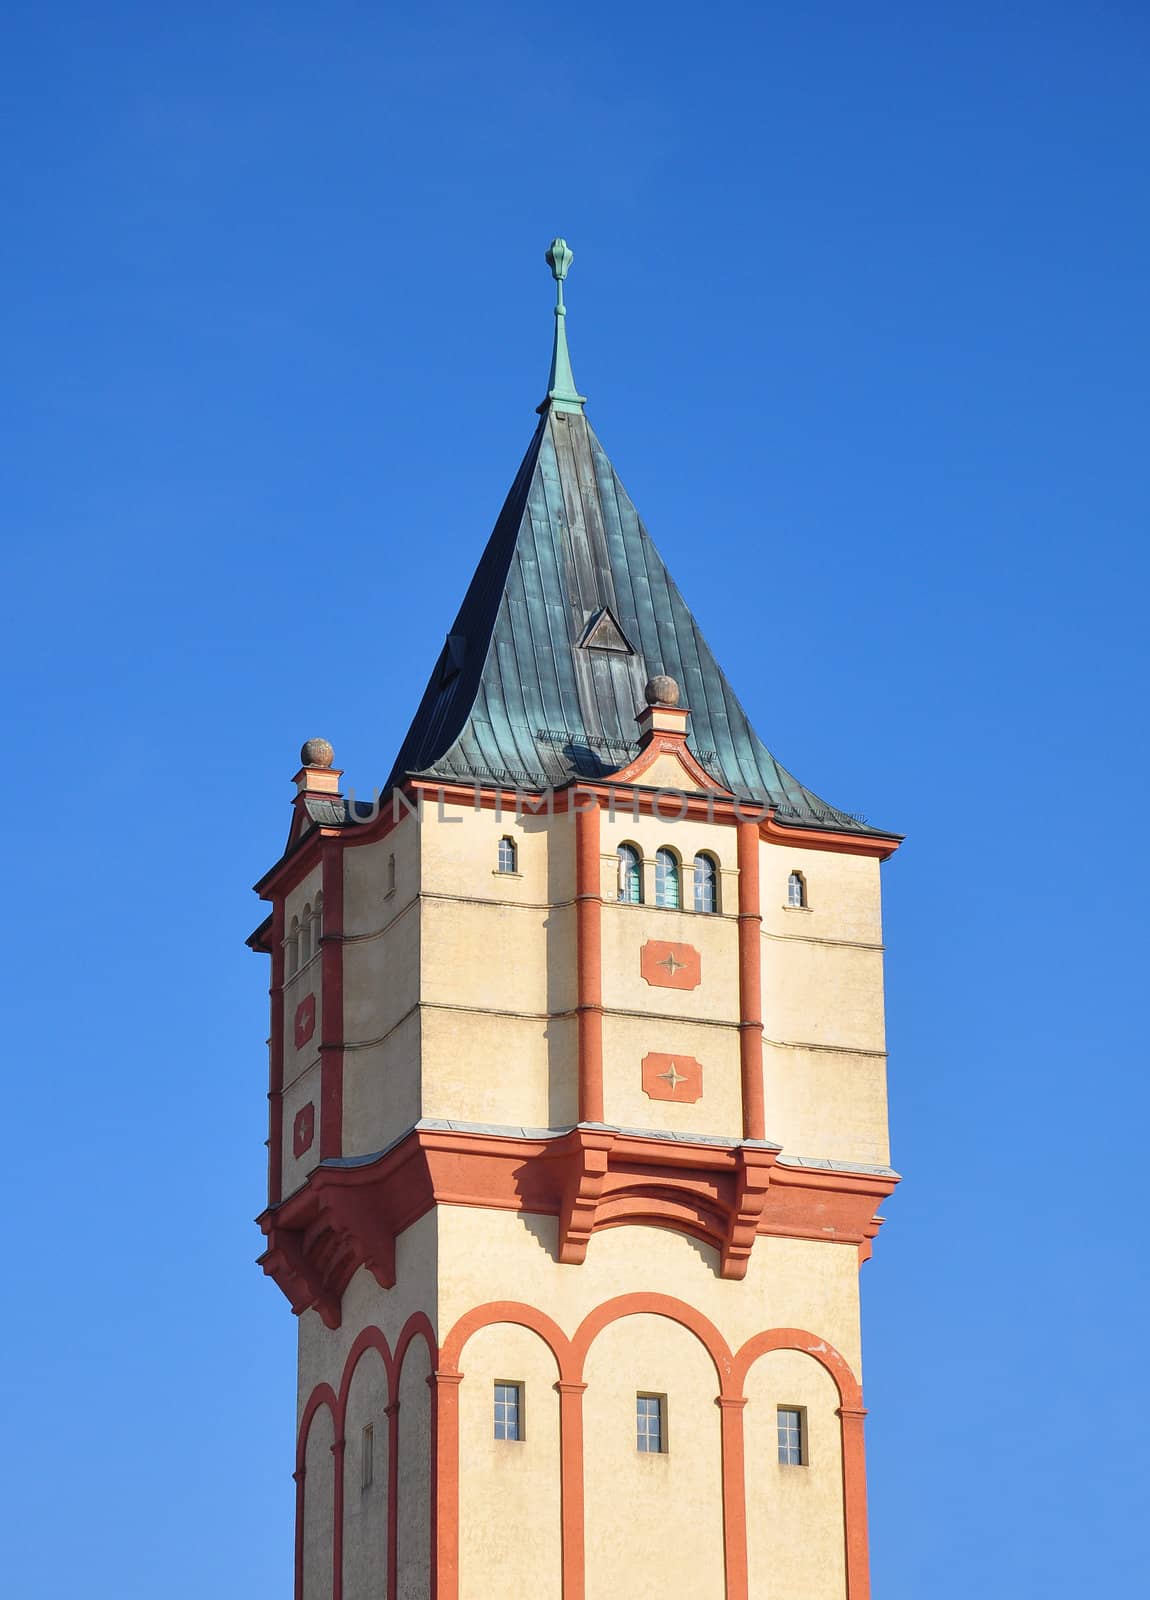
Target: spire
<point>562,394</point>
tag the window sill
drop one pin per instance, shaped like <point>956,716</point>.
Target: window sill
<point>497,872</point>
<point>798,908</point>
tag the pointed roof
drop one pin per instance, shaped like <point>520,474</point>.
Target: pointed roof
<point>569,614</point>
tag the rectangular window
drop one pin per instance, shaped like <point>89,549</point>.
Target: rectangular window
<point>367,1458</point>
<point>650,1423</point>
<point>792,1444</point>
<point>509,1411</point>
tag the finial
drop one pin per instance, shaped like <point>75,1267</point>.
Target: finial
<point>562,394</point>
<point>317,753</point>
<point>661,690</point>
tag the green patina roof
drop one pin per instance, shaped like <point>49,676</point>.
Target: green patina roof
<point>570,612</point>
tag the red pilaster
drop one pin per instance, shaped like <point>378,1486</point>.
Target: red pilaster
<point>276,1060</point>
<point>445,1501</point>
<point>750,982</point>
<point>854,1502</point>
<point>571,1487</point>
<point>299,1475</point>
<point>331,1046</point>
<point>391,1412</point>
<point>734,1495</point>
<point>589,912</point>
<point>338,1452</point>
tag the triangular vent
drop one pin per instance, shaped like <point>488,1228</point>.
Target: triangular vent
<point>604,633</point>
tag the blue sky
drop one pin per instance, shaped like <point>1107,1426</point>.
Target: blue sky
<point>859,301</point>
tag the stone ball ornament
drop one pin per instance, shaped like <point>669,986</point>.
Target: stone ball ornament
<point>662,690</point>
<point>316,753</point>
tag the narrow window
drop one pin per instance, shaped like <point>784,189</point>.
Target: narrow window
<point>317,924</point>
<point>367,1458</point>
<point>293,947</point>
<point>650,1432</point>
<point>792,1452</point>
<point>391,873</point>
<point>667,879</point>
<point>796,889</point>
<point>630,875</point>
<point>508,856</point>
<point>706,884</point>
<point>305,936</point>
<point>508,1410</point>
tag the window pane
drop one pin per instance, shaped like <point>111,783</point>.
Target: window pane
<point>630,878</point>
<point>706,898</point>
<point>507,855</point>
<point>790,1437</point>
<point>649,1424</point>
<point>666,879</point>
<point>508,1411</point>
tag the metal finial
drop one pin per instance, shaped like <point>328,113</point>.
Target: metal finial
<point>559,258</point>
<point>562,394</point>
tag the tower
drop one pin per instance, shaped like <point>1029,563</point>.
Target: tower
<point>577,1104</point>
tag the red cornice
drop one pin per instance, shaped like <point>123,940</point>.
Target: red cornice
<point>853,844</point>
<point>591,1178</point>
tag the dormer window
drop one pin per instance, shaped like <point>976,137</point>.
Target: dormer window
<point>508,855</point>
<point>630,875</point>
<point>706,883</point>
<point>796,891</point>
<point>667,886</point>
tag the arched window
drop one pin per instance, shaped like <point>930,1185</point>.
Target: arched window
<point>796,890</point>
<point>305,936</point>
<point>317,923</point>
<point>630,875</point>
<point>706,883</point>
<point>667,886</point>
<point>291,947</point>
<point>508,855</point>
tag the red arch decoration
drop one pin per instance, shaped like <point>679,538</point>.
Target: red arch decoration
<point>367,1339</point>
<point>570,1357</point>
<point>851,1418</point>
<point>507,1311</point>
<point>322,1395</point>
<point>761,1344</point>
<point>446,1457</point>
<point>417,1326</point>
<point>655,1305</point>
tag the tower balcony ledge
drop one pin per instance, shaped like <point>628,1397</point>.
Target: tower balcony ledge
<point>723,1192</point>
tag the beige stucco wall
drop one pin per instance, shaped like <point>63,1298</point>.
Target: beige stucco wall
<point>795,1541</point>
<point>323,1353</point>
<point>369,900</point>
<point>303,1087</point>
<point>365,1506</point>
<point>319,1481</point>
<point>460,989</point>
<point>301,1067</point>
<point>654,1525</point>
<point>627,1039</point>
<point>790,1283</point>
<point>413,1528</point>
<point>381,1088</point>
<point>509,1529</point>
<point>654,1521</point>
<point>824,1066</point>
